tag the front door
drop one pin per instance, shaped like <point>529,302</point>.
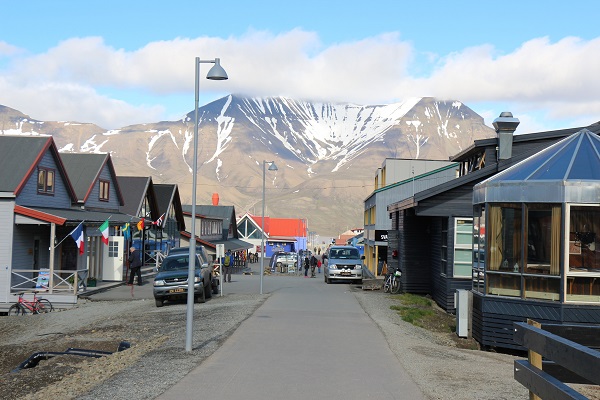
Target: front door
<point>112,268</point>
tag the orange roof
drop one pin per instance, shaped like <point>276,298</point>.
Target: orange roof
<point>285,227</point>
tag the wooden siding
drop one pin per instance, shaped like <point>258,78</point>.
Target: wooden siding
<point>6,240</point>
<point>29,195</point>
<point>493,317</point>
<point>438,276</point>
<point>456,202</point>
<point>23,247</point>
<point>93,200</point>
<point>444,285</point>
<point>392,261</point>
<point>414,242</point>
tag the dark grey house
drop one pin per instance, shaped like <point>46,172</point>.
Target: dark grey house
<point>432,232</point>
<point>536,226</point>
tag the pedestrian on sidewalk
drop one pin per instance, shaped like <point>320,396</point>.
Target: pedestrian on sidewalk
<point>227,263</point>
<point>306,266</point>
<point>313,266</point>
<point>135,266</point>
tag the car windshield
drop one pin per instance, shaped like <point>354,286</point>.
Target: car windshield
<point>349,254</point>
<point>175,263</point>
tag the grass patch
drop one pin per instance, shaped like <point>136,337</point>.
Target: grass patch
<point>413,315</point>
<point>419,311</point>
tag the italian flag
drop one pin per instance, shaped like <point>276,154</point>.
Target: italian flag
<point>104,230</point>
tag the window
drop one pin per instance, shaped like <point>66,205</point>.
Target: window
<point>583,259</point>
<point>478,248</point>
<point>113,248</point>
<point>463,247</point>
<point>45,181</point>
<point>523,253</point>
<point>104,190</point>
<point>503,256</point>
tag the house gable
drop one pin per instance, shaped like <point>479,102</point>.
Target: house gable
<point>62,195</point>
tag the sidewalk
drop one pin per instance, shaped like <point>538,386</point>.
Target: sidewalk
<point>308,340</point>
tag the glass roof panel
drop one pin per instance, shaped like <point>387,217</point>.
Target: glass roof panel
<point>525,168</point>
<point>557,165</point>
<point>586,165</point>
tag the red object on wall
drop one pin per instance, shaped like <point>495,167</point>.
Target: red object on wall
<point>215,199</point>
<point>394,253</point>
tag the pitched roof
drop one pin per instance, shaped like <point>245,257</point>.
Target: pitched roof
<point>168,196</point>
<point>226,213</point>
<point>20,155</point>
<point>135,189</point>
<point>84,169</point>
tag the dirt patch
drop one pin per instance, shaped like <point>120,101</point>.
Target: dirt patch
<point>423,312</point>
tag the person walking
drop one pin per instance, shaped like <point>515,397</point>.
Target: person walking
<point>306,266</point>
<point>227,263</point>
<point>313,265</point>
<point>135,266</point>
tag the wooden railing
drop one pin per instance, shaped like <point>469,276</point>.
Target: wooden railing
<point>65,281</point>
<point>567,354</point>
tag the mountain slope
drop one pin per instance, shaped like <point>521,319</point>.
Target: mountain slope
<point>327,154</point>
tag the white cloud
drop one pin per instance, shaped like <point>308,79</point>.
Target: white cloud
<point>76,79</point>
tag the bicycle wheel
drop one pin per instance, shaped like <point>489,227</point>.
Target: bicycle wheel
<point>386,284</point>
<point>16,309</point>
<point>44,306</point>
<point>395,289</point>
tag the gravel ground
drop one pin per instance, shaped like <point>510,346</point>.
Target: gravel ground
<point>441,370</point>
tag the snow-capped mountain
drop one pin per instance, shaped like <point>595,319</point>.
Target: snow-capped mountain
<point>327,154</point>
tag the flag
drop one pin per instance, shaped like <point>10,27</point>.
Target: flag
<point>77,235</point>
<point>104,230</point>
<point>126,231</point>
<point>140,225</point>
<point>159,221</point>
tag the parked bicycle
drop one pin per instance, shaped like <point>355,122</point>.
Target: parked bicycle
<point>391,284</point>
<point>35,306</point>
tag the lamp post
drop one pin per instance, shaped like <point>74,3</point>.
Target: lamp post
<point>272,167</point>
<point>215,73</point>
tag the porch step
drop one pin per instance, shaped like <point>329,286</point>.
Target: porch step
<point>372,284</point>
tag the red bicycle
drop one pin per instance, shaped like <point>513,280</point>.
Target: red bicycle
<point>35,306</point>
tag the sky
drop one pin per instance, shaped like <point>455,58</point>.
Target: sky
<point>117,63</point>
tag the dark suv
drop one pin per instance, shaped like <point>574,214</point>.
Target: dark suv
<point>171,281</point>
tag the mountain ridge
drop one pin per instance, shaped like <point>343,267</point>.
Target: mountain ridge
<point>327,153</point>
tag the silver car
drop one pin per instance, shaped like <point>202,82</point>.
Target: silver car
<point>343,263</point>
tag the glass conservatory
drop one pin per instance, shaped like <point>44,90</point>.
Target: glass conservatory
<point>537,226</point>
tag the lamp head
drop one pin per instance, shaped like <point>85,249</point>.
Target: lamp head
<point>273,167</point>
<point>217,73</point>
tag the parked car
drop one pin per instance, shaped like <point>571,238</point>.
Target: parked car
<point>343,262</point>
<point>171,281</point>
<point>283,259</point>
<point>203,255</point>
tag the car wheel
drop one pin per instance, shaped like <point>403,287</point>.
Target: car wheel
<point>159,302</point>
<point>208,291</point>
<point>215,288</point>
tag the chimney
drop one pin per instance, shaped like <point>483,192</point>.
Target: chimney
<point>505,126</point>
<point>215,199</point>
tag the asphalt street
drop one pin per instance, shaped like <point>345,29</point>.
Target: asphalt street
<point>308,340</point>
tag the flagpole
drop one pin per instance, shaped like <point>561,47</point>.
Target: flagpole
<point>69,234</point>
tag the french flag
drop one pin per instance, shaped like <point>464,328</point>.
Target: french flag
<point>77,235</point>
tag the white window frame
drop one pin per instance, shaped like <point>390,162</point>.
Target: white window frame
<point>467,246</point>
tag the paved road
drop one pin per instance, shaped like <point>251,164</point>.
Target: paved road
<point>309,340</point>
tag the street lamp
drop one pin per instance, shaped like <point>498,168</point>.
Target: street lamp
<point>272,167</point>
<point>216,73</point>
